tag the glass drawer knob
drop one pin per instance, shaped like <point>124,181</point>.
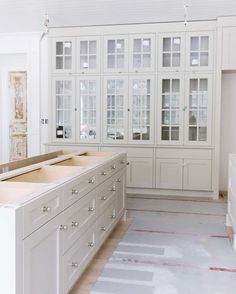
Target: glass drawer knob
<point>75,224</point>
<point>74,264</point>
<point>63,227</point>
<point>104,198</point>
<point>91,244</point>
<point>46,209</point>
<point>103,229</point>
<point>91,209</point>
<point>74,192</point>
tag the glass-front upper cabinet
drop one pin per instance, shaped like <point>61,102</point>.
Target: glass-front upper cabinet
<point>142,53</point>
<point>63,55</point>
<point>88,110</point>
<point>88,60</point>
<point>63,93</point>
<point>198,110</point>
<point>170,109</point>
<point>200,51</point>
<point>116,53</point>
<point>171,52</point>
<point>115,107</point>
<point>141,106</point>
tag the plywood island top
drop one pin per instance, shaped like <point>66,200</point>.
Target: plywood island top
<point>24,180</point>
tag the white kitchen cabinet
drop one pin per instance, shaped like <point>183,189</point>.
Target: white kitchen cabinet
<point>115,53</point>
<point>142,53</point>
<point>63,96</point>
<point>171,52</point>
<point>115,107</point>
<point>141,110</point>
<point>88,55</point>
<point>170,109</point>
<point>229,48</point>
<point>198,109</point>
<point>197,175</point>
<point>42,260</point>
<point>169,173</point>
<point>88,109</point>
<point>63,55</point>
<point>140,172</point>
<point>199,51</point>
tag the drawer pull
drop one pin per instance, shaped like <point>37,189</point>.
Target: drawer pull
<point>91,209</point>
<point>104,198</point>
<point>91,244</point>
<point>91,181</point>
<point>118,180</point>
<point>127,163</point>
<point>46,209</point>
<point>63,227</point>
<point>103,229</point>
<point>113,189</point>
<point>74,192</point>
<point>74,264</point>
<point>113,216</point>
<point>75,224</point>
<point>113,166</point>
<point>103,173</point>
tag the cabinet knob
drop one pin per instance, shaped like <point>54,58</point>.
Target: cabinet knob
<point>104,173</point>
<point>113,166</point>
<point>91,181</point>
<point>63,227</point>
<point>113,216</point>
<point>127,163</point>
<point>75,224</point>
<point>118,180</point>
<point>74,264</point>
<point>113,188</point>
<point>103,229</point>
<point>104,198</point>
<point>91,244</point>
<point>74,192</point>
<point>46,209</point>
<point>91,209</point>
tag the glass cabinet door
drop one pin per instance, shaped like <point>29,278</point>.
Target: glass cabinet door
<point>115,109</point>
<point>64,109</point>
<point>170,110</point>
<point>142,110</point>
<point>88,54</point>
<point>171,52</point>
<point>142,53</point>
<point>63,55</point>
<point>88,101</point>
<point>198,110</point>
<point>200,51</point>
<point>115,53</point>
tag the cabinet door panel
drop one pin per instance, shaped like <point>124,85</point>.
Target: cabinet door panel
<point>197,175</point>
<point>140,172</point>
<point>169,173</point>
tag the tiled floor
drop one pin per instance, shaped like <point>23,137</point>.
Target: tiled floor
<point>171,247</point>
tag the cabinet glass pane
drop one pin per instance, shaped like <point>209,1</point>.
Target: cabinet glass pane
<point>83,47</point>
<point>68,62</point>
<point>67,48</point>
<point>88,109</point>
<point>59,62</point>
<point>166,44</point>
<point>170,115</point>
<point>198,109</point>
<point>59,48</point>
<point>142,53</point>
<point>141,109</point>
<point>64,109</point>
<point>115,126</point>
<point>93,47</point>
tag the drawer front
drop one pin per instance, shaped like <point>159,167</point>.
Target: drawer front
<point>77,219</point>
<point>183,153</point>
<point>106,195</point>
<point>40,211</point>
<point>76,259</point>
<point>78,188</point>
<point>120,192</point>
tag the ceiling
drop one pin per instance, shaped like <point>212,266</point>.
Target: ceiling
<point>28,15</point>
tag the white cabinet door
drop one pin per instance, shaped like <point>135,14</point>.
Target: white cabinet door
<point>229,48</point>
<point>170,109</point>
<point>42,260</point>
<point>88,54</point>
<point>198,109</point>
<point>140,172</point>
<point>63,94</point>
<point>199,51</point>
<point>115,109</point>
<point>142,53</point>
<point>197,175</point>
<point>171,52</point>
<point>88,109</point>
<point>116,53</point>
<point>141,110</point>
<point>169,173</point>
<point>63,55</point>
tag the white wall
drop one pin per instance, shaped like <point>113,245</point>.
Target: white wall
<point>228,125</point>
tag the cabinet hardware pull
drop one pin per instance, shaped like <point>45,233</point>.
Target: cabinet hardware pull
<point>104,173</point>
<point>74,264</point>
<point>113,189</point>
<point>113,216</point>
<point>104,198</point>
<point>91,181</point>
<point>91,209</point>
<point>91,244</point>
<point>118,180</point>
<point>74,192</point>
<point>113,166</point>
<point>127,163</point>
<point>46,209</point>
<point>75,224</point>
<point>103,229</point>
<point>63,227</point>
